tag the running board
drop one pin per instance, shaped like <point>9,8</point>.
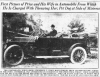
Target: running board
<point>51,56</point>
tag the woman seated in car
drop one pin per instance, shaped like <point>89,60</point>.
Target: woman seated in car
<point>53,32</point>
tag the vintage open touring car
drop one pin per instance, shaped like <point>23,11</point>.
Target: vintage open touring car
<point>76,48</point>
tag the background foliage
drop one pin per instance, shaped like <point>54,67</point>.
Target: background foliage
<point>76,26</point>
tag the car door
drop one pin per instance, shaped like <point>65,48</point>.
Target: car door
<point>56,46</point>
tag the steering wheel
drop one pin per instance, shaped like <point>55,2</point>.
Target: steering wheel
<point>42,35</point>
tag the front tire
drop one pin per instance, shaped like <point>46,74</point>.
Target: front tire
<point>13,55</point>
<point>78,55</point>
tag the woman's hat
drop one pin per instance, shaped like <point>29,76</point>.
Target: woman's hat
<point>52,25</point>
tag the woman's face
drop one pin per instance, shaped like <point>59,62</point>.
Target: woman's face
<point>52,28</point>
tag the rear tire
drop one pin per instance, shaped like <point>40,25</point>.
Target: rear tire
<point>78,55</point>
<point>13,55</point>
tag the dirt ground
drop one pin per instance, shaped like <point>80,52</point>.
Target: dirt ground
<point>91,62</point>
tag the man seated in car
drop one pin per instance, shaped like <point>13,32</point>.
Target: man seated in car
<point>53,32</point>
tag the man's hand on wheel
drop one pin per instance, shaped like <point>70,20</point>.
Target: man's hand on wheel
<point>36,37</point>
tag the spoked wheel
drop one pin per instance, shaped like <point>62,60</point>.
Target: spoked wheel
<point>78,55</point>
<point>13,55</point>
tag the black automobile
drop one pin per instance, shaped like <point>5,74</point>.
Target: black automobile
<point>72,46</point>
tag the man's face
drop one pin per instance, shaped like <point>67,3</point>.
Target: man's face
<point>52,28</point>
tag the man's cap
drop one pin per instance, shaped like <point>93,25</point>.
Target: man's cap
<point>52,25</point>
